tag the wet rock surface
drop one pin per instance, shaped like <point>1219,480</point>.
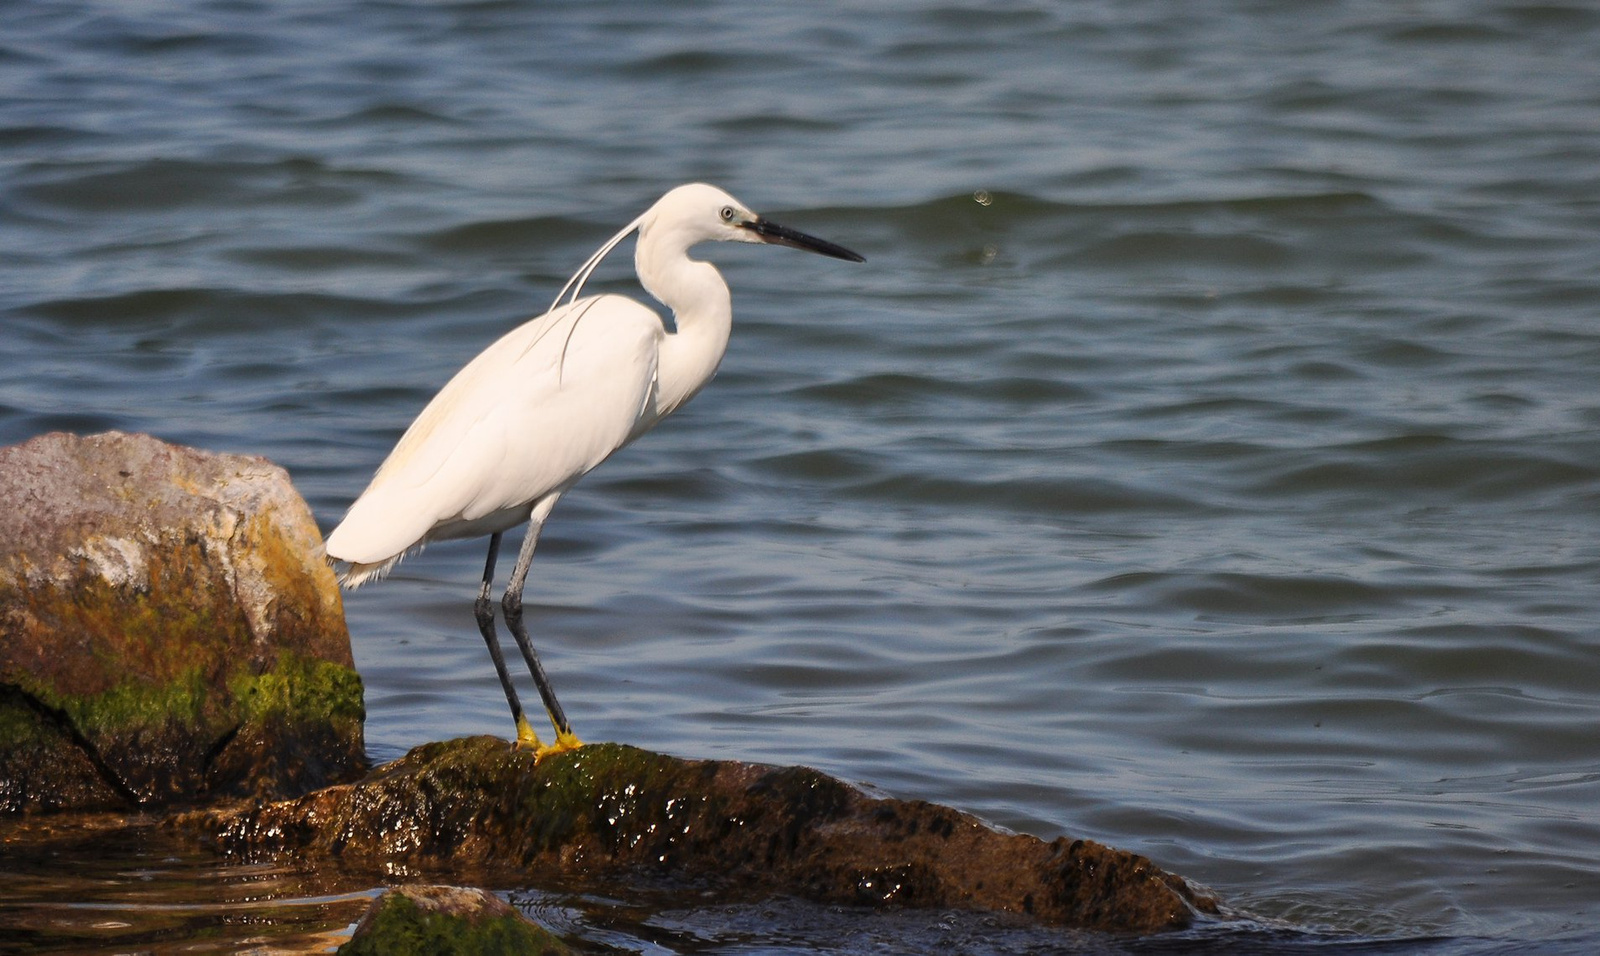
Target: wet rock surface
<point>739,830</point>
<point>168,630</point>
<point>417,920</point>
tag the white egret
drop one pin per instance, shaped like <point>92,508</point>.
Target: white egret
<point>547,402</point>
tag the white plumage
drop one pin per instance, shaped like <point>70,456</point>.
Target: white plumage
<point>529,416</point>
<point>550,400</point>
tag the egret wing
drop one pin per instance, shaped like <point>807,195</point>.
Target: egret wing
<point>527,417</point>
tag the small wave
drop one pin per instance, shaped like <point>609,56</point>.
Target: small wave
<point>1242,250</point>
<point>499,235</point>
<point>227,312</point>
<point>1423,468</point>
<point>167,184</point>
<point>1037,496</point>
<point>1282,598</point>
<point>406,115</point>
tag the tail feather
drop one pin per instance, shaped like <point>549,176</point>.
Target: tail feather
<point>353,574</point>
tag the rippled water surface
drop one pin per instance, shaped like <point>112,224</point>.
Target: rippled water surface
<point>1206,460</point>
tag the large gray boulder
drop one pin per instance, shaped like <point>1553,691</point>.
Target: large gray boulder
<point>169,630</point>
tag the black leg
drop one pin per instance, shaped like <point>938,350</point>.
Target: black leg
<point>512,604</point>
<point>483,610</point>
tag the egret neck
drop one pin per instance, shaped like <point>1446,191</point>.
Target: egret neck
<point>702,312</point>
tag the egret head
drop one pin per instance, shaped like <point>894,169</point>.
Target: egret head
<point>691,214</point>
<point>706,213</point>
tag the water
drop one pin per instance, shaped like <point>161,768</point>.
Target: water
<point>1206,460</point>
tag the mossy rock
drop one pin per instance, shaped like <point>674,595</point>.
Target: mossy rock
<point>447,921</point>
<point>739,831</point>
<point>171,631</point>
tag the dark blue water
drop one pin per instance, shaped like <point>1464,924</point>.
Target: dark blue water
<point>1205,461</point>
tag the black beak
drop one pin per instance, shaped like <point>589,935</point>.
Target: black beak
<point>770,231</point>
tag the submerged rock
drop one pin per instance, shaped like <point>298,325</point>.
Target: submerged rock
<point>169,631</point>
<point>740,830</point>
<point>445,921</point>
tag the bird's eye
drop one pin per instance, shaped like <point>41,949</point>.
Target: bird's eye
<point>727,214</point>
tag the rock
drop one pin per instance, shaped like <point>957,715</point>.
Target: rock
<point>742,830</point>
<point>169,630</point>
<point>445,921</point>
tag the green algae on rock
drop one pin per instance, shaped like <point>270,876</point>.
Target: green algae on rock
<point>171,632</point>
<point>612,812</point>
<point>447,921</point>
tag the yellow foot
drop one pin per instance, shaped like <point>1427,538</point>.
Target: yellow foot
<point>564,742</point>
<point>526,738</point>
